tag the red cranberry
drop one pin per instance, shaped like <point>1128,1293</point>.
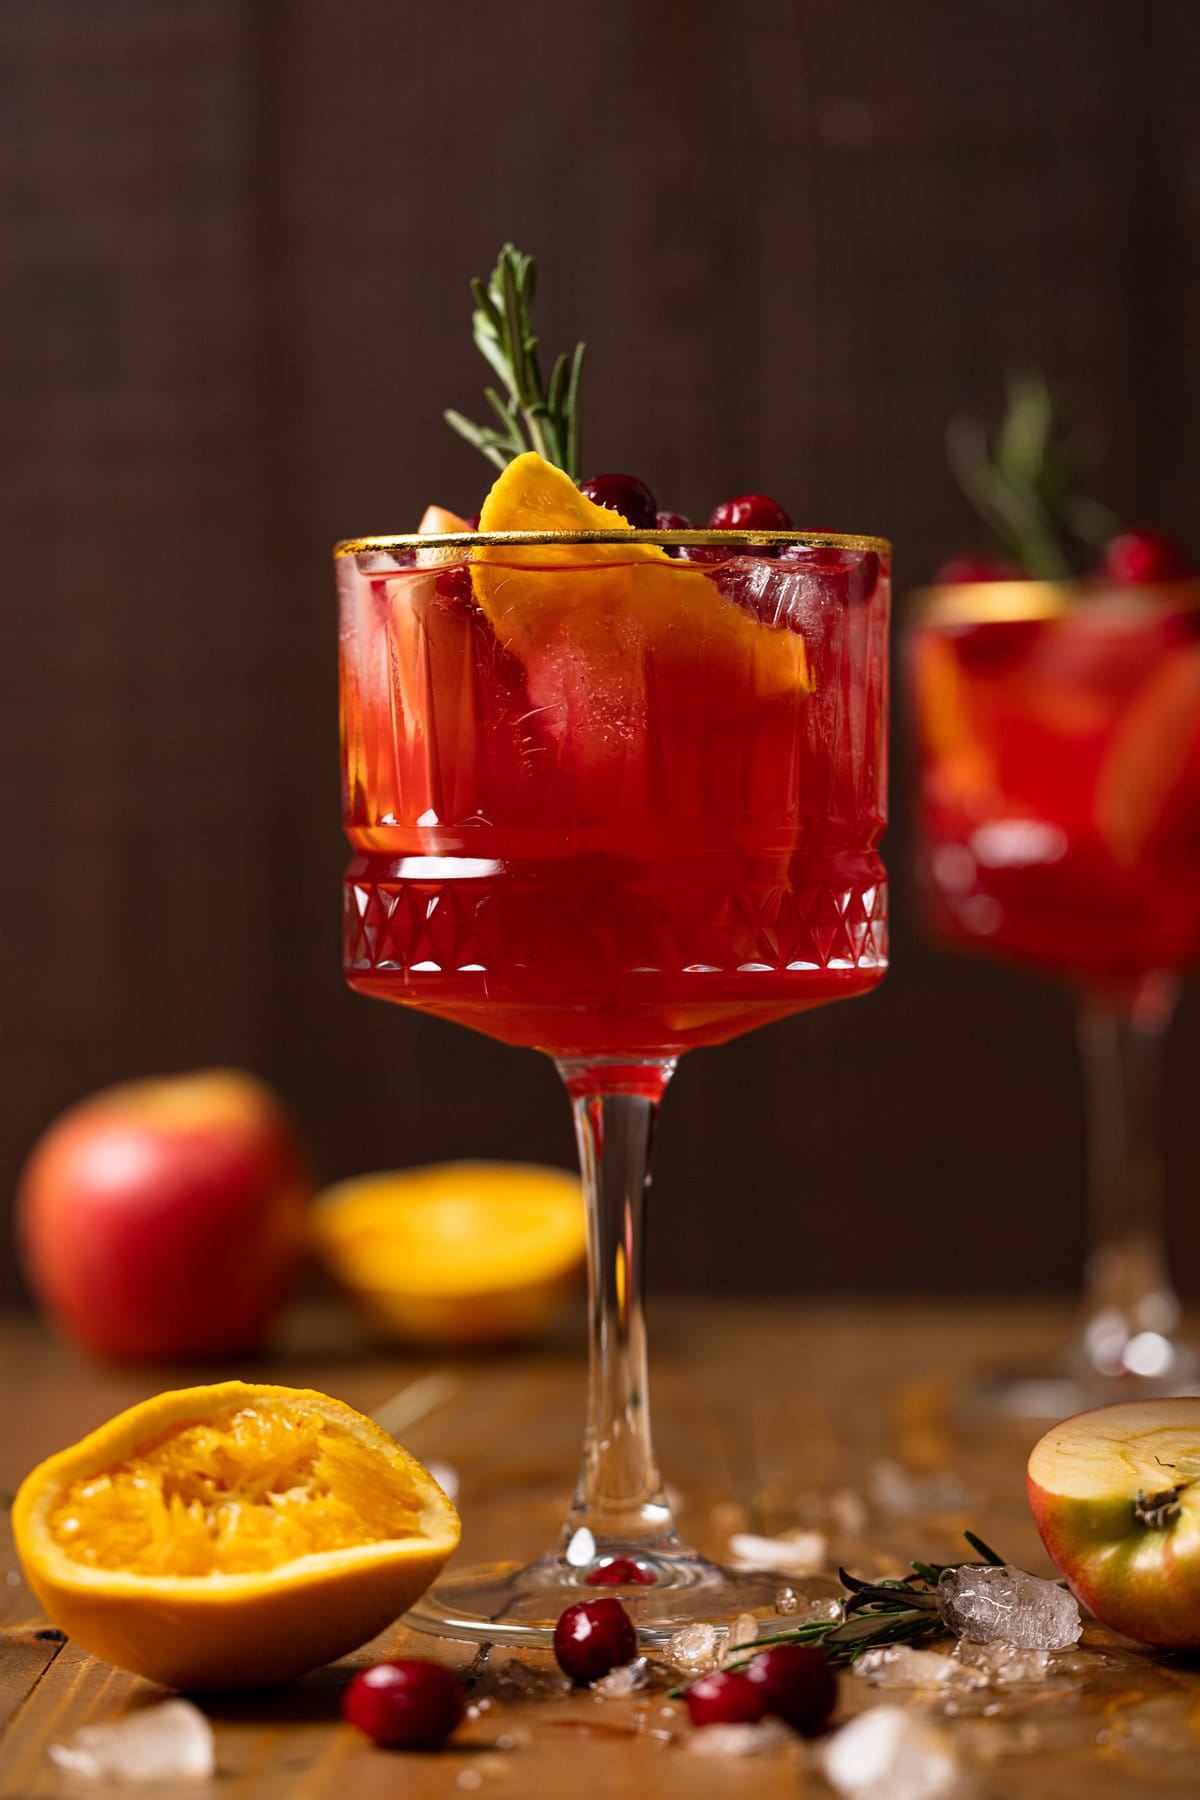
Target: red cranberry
<point>725,1697</point>
<point>669,521</point>
<point>473,522</point>
<point>623,494</point>
<point>618,1570</point>
<point>1144,556</point>
<point>796,1684</point>
<point>410,1704</point>
<point>592,1637</point>
<point>750,512</point>
<point>454,587</point>
<point>960,571</point>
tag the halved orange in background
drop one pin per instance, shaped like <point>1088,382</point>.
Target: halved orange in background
<point>461,1255</point>
<point>228,1536</point>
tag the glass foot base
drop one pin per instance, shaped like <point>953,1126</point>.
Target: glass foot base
<point>520,1603</point>
<point>1073,1385</point>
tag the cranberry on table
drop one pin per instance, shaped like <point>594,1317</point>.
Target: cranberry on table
<point>1144,556</point>
<point>410,1704</point>
<point>795,1683</point>
<point>592,1637</point>
<point>725,1697</point>
<point>620,1570</point>
<point>623,494</point>
<point>750,512</point>
<point>961,571</point>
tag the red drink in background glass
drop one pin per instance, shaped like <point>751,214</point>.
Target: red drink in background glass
<point>598,838</point>
<point>1060,780</point>
<point>1058,732</point>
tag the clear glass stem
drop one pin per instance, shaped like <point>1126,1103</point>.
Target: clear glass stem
<point>619,1497</point>
<point>1131,1310</point>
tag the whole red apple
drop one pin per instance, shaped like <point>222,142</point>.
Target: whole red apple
<point>165,1218</point>
<point>1116,1497</point>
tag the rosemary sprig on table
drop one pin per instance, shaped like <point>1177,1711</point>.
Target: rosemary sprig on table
<point>1024,480</point>
<point>879,1612</point>
<point>530,415</point>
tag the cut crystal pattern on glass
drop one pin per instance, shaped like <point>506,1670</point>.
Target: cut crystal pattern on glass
<point>413,929</point>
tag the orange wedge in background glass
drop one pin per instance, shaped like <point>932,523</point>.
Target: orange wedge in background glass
<point>960,768</point>
<point>1144,774</point>
<point>231,1536</point>
<point>460,1255</point>
<point>624,604</point>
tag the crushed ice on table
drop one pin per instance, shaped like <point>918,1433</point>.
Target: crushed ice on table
<point>165,1742</point>
<point>1003,1664</point>
<point>1008,1603</point>
<point>899,1665</point>
<point>848,1512</point>
<point>795,1552</point>
<point>741,1740</point>
<point>743,1631</point>
<point>692,1649</point>
<point>889,1754</point>
<point>894,1489</point>
<point>622,1681</point>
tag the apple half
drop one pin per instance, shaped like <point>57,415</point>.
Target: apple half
<point>1116,1497</point>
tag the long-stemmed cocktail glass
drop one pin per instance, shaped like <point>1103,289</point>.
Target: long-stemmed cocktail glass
<point>1059,747</point>
<point>613,803</point>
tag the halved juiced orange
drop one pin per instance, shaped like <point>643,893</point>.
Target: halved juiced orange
<point>232,1535</point>
<point>625,602</point>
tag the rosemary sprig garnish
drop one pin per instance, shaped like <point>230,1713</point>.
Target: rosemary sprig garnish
<point>878,1612</point>
<point>1024,481</point>
<point>529,415</point>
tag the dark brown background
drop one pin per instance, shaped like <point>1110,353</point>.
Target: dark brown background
<point>798,235</point>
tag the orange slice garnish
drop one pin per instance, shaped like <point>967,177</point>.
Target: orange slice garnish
<point>622,602</point>
<point>1158,736</point>
<point>231,1536</point>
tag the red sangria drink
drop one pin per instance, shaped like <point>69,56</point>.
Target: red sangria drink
<point>1058,737</point>
<point>614,788</point>
<point>603,801</point>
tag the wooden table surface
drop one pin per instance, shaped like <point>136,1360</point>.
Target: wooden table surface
<point>763,1414</point>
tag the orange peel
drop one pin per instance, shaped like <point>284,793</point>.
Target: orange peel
<point>624,602</point>
<point>232,1535</point>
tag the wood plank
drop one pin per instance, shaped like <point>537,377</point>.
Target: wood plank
<point>764,1414</point>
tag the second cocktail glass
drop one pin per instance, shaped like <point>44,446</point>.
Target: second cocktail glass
<point>614,805</point>
<point>1058,732</point>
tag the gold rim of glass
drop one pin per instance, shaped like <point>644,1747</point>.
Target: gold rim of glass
<point>734,540</point>
<point>1003,602</point>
